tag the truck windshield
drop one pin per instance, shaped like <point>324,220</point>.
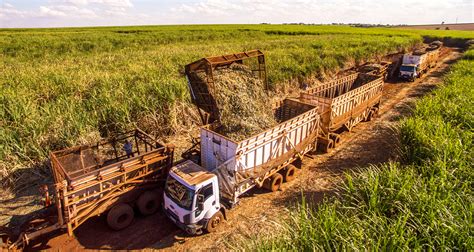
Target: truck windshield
<point>407,68</point>
<point>179,193</point>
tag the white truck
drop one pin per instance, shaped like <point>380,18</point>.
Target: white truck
<point>416,64</point>
<point>196,196</point>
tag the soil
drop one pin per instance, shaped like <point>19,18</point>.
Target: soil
<point>369,143</point>
<point>461,27</point>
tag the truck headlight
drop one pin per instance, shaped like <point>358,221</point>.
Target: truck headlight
<point>197,213</point>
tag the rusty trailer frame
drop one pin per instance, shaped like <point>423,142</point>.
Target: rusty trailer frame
<point>343,103</point>
<point>203,92</point>
<point>90,179</point>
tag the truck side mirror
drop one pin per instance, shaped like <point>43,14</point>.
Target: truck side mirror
<point>200,202</point>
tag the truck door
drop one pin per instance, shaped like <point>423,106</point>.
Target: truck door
<point>206,203</point>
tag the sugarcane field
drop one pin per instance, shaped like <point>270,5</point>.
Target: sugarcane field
<point>236,125</point>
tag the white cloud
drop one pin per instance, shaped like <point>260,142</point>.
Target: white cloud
<point>67,10</point>
<point>115,3</point>
<point>92,8</point>
<point>323,11</point>
<point>118,11</point>
<point>50,12</point>
<point>64,12</point>
<point>128,12</point>
<point>112,3</point>
<point>9,11</point>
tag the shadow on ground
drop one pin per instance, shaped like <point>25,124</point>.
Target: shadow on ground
<point>20,198</point>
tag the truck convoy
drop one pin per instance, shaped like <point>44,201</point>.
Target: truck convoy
<point>414,65</point>
<point>196,193</point>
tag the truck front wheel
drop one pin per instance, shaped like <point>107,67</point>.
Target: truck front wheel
<point>148,203</point>
<point>214,222</point>
<point>120,216</point>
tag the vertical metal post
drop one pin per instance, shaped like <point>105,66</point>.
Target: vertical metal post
<point>66,208</point>
<point>114,143</point>
<point>261,64</point>
<point>58,204</point>
<point>135,135</point>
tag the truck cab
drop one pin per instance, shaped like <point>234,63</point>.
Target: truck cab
<point>408,72</point>
<point>191,198</point>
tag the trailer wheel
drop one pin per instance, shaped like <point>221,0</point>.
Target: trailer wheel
<point>120,216</point>
<point>289,173</point>
<point>335,139</point>
<point>325,147</point>
<point>370,115</point>
<point>148,203</point>
<point>274,182</point>
<point>214,222</point>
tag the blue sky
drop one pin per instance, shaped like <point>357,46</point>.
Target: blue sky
<point>60,13</point>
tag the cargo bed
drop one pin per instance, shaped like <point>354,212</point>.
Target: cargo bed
<point>343,103</point>
<point>91,179</point>
<point>245,164</point>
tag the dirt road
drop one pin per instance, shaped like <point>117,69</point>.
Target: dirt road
<point>460,27</point>
<point>369,143</point>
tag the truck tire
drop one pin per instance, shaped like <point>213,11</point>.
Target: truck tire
<point>336,138</point>
<point>214,222</point>
<point>148,203</point>
<point>289,173</point>
<point>120,216</point>
<point>325,144</point>
<point>274,182</point>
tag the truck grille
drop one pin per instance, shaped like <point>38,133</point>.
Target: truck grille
<point>173,215</point>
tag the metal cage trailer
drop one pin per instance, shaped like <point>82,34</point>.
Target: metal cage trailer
<point>203,91</point>
<point>91,180</point>
<point>343,103</point>
<point>196,196</point>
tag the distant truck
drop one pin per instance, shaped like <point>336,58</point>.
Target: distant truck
<point>197,197</point>
<point>416,64</point>
<point>102,178</point>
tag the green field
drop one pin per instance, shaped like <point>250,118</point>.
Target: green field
<point>61,87</point>
<point>425,202</point>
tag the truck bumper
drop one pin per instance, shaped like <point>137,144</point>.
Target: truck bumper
<point>191,229</point>
<point>406,77</point>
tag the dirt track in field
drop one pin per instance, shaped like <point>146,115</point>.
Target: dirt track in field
<point>460,27</point>
<point>369,143</point>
